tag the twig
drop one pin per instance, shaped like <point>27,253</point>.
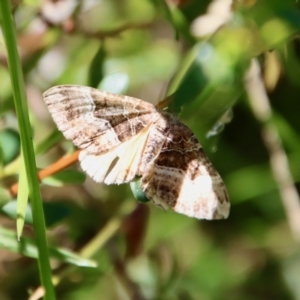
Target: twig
<point>278,159</point>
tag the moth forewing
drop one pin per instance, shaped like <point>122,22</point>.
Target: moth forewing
<point>97,121</point>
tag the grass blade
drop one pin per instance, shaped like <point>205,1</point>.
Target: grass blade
<point>19,96</point>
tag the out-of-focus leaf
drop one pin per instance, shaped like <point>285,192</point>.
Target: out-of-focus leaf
<point>288,134</point>
<point>32,2</point>
<point>54,212</point>
<point>282,29</point>
<point>65,177</point>
<point>10,209</point>
<point>280,17</point>
<point>5,196</point>
<point>253,181</point>
<point>290,61</point>
<point>6,102</point>
<point>9,144</point>
<point>198,80</point>
<point>250,182</point>
<point>96,67</point>
<point>27,247</point>
<point>22,198</point>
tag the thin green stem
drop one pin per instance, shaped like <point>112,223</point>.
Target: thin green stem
<point>19,94</point>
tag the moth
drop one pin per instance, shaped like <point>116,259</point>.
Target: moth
<point>121,138</point>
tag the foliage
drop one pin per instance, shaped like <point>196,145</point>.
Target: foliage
<point>201,62</point>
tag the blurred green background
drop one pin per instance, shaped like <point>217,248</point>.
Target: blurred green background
<point>198,54</point>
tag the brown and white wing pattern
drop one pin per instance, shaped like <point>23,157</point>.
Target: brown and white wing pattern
<point>96,121</point>
<point>119,165</point>
<point>110,129</point>
<point>181,177</point>
<point>122,137</point>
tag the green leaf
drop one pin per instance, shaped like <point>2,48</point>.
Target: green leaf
<point>96,67</point>
<point>27,247</point>
<point>54,212</point>
<point>5,196</point>
<point>22,198</point>
<point>197,79</point>
<point>10,209</point>
<point>9,145</point>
